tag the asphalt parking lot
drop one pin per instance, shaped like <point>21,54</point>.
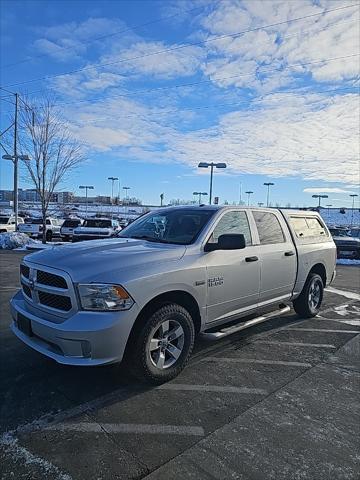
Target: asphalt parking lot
<point>277,401</point>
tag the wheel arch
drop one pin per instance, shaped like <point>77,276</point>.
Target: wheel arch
<point>320,269</point>
<point>181,297</point>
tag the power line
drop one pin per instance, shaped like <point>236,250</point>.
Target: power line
<point>118,32</point>
<point>178,47</point>
<point>284,37</point>
<point>200,82</point>
<point>217,105</point>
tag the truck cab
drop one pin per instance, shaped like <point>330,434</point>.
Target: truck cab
<point>170,275</point>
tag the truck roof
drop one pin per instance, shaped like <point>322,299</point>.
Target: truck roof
<point>286,211</point>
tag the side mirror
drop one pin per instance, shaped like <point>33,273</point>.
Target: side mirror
<point>229,241</point>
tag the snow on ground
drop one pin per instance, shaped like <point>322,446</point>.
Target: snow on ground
<point>12,240</point>
<point>347,261</point>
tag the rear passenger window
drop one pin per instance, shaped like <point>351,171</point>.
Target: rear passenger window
<point>269,228</point>
<point>232,222</point>
<point>305,227</point>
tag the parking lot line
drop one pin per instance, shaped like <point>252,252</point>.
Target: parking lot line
<point>321,330</point>
<point>257,361</point>
<point>212,388</point>
<point>128,428</point>
<point>297,344</point>
<point>351,295</point>
<point>9,289</point>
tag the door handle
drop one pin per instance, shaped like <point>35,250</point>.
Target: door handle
<point>290,253</point>
<point>251,259</point>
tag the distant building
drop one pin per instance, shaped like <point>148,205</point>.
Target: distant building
<point>6,195</point>
<point>63,197</point>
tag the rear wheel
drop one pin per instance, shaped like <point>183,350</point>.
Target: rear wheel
<point>164,344</point>
<point>309,302</point>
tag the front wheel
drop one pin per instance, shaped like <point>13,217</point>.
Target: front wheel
<point>164,344</point>
<point>309,301</point>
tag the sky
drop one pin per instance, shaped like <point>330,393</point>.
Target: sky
<point>151,88</point>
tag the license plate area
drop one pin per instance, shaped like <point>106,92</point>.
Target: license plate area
<point>24,325</point>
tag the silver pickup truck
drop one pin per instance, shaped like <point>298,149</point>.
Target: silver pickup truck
<point>170,275</point>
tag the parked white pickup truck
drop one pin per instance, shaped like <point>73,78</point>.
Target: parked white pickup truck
<point>34,228</point>
<point>96,228</point>
<point>7,223</point>
<point>170,275</point>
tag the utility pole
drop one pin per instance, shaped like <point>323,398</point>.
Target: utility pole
<point>16,162</point>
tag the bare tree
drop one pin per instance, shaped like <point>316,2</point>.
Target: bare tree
<point>52,149</point>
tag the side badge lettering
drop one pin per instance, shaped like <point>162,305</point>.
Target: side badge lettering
<point>215,282</point>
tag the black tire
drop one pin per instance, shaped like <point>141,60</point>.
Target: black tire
<point>49,236</point>
<point>307,305</point>
<point>143,360</point>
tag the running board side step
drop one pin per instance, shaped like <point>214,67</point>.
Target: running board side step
<point>250,323</point>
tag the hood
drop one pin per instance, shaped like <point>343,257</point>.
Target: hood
<point>106,260</point>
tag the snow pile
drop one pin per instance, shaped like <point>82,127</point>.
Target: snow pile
<point>11,240</point>
<point>347,261</point>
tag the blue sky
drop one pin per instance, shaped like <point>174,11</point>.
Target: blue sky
<point>157,86</point>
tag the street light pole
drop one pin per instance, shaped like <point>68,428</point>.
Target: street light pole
<point>199,194</point>
<point>112,179</point>
<point>86,187</point>
<point>248,194</point>
<point>211,165</point>
<point>353,195</point>
<point>320,197</point>
<point>268,185</point>
<point>126,196</point>
<point>328,211</point>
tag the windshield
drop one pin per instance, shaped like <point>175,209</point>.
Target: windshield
<point>4,219</point>
<point>34,221</point>
<point>180,226</point>
<point>71,223</point>
<point>339,233</point>
<point>97,223</point>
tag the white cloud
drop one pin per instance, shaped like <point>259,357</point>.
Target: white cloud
<point>326,190</point>
<point>318,38</point>
<point>310,137</point>
<point>166,65</point>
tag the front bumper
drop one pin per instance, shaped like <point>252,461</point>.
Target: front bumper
<point>85,339</point>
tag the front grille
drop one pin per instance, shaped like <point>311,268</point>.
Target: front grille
<point>50,279</point>
<point>55,301</point>
<point>26,290</point>
<point>25,271</point>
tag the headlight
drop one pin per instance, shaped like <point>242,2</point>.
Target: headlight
<point>104,296</point>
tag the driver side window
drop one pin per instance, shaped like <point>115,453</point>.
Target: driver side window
<point>232,222</point>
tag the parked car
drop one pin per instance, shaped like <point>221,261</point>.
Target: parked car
<point>96,228</point>
<point>347,246</point>
<point>170,275</point>
<point>7,223</point>
<point>67,228</point>
<point>34,228</point>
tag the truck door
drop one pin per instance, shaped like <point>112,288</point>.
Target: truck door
<point>233,276</point>
<point>278,257</point>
